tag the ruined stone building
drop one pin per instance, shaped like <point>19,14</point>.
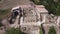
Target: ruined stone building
<point>28,18</point>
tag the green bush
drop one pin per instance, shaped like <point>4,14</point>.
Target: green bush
<point>52,30</point>
<point>14,31</point>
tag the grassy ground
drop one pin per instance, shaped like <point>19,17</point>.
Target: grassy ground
<point>4,13</point>
<point>14,31</point>
<point>41,32</point>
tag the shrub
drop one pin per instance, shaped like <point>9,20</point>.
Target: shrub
<point>14,31</point>
<point>52,30</point>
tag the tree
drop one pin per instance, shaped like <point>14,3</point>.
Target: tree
<point>52,6</point>
<point>14,31</point>
<point>52,30</point>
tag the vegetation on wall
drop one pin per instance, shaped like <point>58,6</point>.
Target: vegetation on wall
<point>53,6</point>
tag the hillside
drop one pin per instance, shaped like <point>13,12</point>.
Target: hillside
<point>4,4</point>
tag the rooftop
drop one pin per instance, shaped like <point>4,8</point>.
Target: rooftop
<point>41,9</point>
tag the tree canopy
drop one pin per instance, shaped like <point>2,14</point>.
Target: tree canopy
<point>53,6</point>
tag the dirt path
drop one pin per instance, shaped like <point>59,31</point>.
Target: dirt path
<point>11,3</point>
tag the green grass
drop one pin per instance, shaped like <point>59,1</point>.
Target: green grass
<point>41,32</point>
<point>4,12</point>
<point>14,31</point>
